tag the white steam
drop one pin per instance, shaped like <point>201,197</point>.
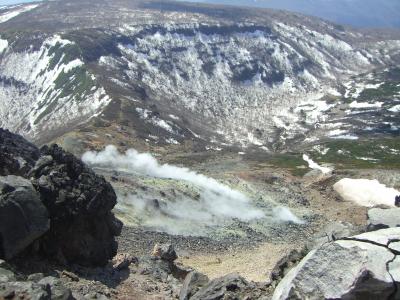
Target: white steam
<point>284,214</point>
<point>215,197</point>
<point>190,204</point>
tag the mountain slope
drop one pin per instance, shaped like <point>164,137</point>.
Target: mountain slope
<point>169,72</point>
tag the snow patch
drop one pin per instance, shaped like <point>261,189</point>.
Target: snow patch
<point>72,65</point>
<point>15,12</point>
<point>368,159</point>
<point>172,141</point>
<point>3,45</point>
<point>173,117</point>
<point>395,108</point>
<point>345,137</point>
<point>365,192</point>
<point>313,165</point>
<point>356,104</point>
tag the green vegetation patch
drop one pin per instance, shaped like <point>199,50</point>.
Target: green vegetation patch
<point>63,54</point>
<point>76,83</point>
<point>364,154</point>
<point>344,154</point>
<point>47,111</point>
<point>386,90</point>
<point>94,43</point>
<point>292,161</point>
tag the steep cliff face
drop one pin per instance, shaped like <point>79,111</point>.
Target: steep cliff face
<point>244,81</point>
<point>185,71</point>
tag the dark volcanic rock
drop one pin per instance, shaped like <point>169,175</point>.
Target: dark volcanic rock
<point>17,156</point>
<point>76,200</point>
<point>58,290</point>
<point>285,264</point>
<point>48,288</point>
<point>231,286</point>
<point>165,252</point>
<point>24,290</point>
<point>23,217</point>
<point>193,282</point>
<point>79,203</point>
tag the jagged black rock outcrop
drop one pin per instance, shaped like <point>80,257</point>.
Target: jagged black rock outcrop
<point>78,202</point>
<point>82,228</point>
<point>17,155</point>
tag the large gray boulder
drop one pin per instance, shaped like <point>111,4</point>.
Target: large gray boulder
<point>332,232</point>
<point>365,266</point>
<point>379,218</point>
<point>23,217</point>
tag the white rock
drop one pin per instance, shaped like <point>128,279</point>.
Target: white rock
<point>379,218</point>
<point>345,269</point>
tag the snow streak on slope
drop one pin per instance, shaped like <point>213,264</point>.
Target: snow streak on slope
<point>313,165</point>
<point>47,90</point>
<point>3,45</point>
<point>14,11</point>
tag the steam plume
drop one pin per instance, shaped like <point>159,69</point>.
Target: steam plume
<point>216,202</point>
<point>220,198</point>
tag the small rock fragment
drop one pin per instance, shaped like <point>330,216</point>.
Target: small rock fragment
<point>122,261</point>
<point>70,275</point>
<point>165,252</point>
